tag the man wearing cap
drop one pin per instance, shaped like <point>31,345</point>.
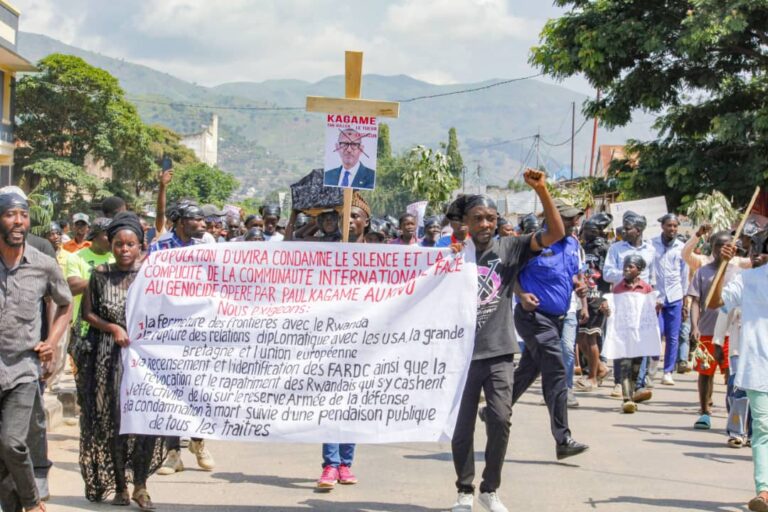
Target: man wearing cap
<point>546,292</point>
<point>671,283</point>
<point>53,235</point>
<point>271,215</point>
<point>188,229</point>
<point>27,277</point>
<point>432,231</point>
<point>81,224</point>
<point>633,226</point>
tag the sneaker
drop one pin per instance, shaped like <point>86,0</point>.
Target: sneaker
<point>490,501</point>
<point>463,503</point>
<point>345,476</point>
<point>667,379</point>
<point>172,463</point>
<point>629,407</point>
<point>642,395</point>
<point>616,393</point>
<point>572,402</point>
<point>204,457</point>
<point>329,478</point>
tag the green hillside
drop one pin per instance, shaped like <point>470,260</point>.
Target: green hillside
<point>270,149</point>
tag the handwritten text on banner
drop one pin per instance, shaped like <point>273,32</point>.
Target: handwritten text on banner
<point>299,342</point>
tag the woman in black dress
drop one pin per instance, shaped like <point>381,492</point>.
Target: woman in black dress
<point>108,459</point>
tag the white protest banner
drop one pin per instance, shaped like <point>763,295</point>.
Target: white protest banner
<point>632,329</point>
<point>653,208</point>
<point>418,210</point>
<point>351,142</point>
<point>299,342</point>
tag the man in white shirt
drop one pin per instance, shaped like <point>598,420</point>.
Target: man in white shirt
<point>671,283</point>
<point>749,291</point>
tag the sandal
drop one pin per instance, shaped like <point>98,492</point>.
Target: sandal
<point>735,442</point>
<point>703,423</point>
<point>602,373</point>
<point>142,499</point>
<point>121,499</point>
<point>759,503</point>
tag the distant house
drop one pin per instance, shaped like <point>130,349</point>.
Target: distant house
<point>10,64</point>
<point>607,154</point>
<point>205,143</point>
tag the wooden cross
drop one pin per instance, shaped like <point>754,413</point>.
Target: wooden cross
<point>352,104</point>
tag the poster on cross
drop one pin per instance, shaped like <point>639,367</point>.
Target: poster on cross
<point>303,342</point>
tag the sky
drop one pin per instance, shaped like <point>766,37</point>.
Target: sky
<point>209,43</point>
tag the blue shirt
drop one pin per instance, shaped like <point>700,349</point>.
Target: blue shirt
<point>670,270</point>
<point>613,269</point>
<point>549,276</point>
<point>171,242</point>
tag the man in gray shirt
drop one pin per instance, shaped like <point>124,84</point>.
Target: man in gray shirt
<point>27,277</point>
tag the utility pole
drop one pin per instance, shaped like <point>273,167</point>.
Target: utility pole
<point>594,141</point>
<point>573,133</point>
<point>538,139</point>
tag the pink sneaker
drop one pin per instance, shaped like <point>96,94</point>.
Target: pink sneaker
<point>328,478</point>
<point>345,476</point>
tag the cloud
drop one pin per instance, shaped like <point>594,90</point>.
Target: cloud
<point>441,41</point>
<point>464,20</point>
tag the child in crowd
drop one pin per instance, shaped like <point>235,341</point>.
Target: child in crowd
<point>634,265</point>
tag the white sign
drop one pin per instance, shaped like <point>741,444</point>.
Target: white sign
<point>652,208</point>
<point>632,329</point>
<point>351,142</point>
<point>418,210</point>
<point>299,342</point>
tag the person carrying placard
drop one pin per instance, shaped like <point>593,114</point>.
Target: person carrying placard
<point>634,265</point>
<point>492,367</point>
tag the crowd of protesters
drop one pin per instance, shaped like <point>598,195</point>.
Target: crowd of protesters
<point>542,287</point>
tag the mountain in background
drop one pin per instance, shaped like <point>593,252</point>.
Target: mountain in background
<point>268,150</point>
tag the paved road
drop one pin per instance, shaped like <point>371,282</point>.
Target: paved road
<point>649,461</point>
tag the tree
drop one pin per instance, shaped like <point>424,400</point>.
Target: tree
<point>202,183</point>
<point>455,162</point>
<point>63,182</point>
<point>391,195</point>
<point>429,176</point>
<point>700,65</point>
<point>384,148</point>
<point>166,142</point>
<point>71,109</point>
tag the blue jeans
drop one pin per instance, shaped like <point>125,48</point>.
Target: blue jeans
<point>338,454</point>
<point>567,343</point>
<point>670,318</point>
<point>684,342</point>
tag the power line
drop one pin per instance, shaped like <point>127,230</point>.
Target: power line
<point>474,89</point>
<point>568,140</point>
<point>258,108</point>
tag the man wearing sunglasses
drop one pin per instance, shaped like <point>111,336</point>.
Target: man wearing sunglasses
<point>351,172</point>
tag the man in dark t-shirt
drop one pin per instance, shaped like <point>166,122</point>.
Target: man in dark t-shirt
<point>492,368</point>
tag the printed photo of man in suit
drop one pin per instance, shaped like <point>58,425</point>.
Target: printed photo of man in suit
<point>351,173</point>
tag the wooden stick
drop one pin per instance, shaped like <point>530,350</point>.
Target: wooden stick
<point>346,214</point>
<point>353,74</point>
<point>724,264</point>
